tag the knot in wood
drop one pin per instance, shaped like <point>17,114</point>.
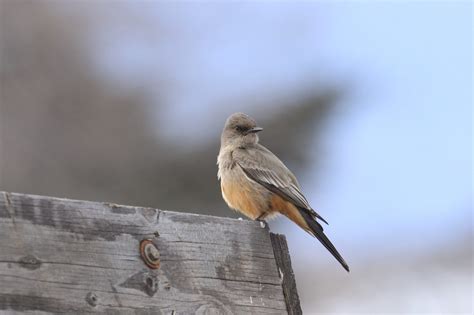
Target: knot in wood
<point>92,299</point>
<point>29,262</point>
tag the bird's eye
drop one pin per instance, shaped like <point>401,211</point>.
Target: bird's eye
<point>239,128</point>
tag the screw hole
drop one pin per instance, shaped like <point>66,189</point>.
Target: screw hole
<point>150,254</point>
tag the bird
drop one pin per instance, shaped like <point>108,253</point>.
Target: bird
<point>256,183</point>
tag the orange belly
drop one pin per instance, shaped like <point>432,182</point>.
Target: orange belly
<point>244,198</point>
<point>278,204</point>
<point>255,201</point>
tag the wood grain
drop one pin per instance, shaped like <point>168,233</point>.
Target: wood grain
<point>283,262</point>
<point>70,256</point>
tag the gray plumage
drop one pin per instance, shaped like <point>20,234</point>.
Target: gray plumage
<point>255,182</point>
<point>264,167</point>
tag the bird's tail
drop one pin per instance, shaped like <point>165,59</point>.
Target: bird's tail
<point>317,231</point>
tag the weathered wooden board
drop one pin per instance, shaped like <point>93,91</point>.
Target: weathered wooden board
<point>60,255</point>
<point>283,261</point>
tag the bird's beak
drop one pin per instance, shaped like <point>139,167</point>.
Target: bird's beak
<point>254,130</point>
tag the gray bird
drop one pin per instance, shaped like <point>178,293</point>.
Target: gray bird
<point>256,183</point>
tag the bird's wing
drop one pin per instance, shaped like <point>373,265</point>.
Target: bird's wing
<point>262,166</point>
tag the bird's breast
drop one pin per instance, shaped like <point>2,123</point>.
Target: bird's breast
<point>242,194</point>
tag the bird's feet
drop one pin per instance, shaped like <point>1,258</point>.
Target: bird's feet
<point>260,219</point>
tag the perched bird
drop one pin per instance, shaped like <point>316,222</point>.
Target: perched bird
<point>256,183</point>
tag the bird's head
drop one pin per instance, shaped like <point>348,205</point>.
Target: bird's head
<point>240,130</point>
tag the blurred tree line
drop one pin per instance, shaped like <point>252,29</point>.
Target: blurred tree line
<point>65,131</point>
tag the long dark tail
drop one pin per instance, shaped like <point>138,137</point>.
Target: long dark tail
<point>317,231</point>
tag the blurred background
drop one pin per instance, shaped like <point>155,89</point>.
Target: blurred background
<point>125,101</point>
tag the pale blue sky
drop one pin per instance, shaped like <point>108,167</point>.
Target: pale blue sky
<point>402,159</point>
